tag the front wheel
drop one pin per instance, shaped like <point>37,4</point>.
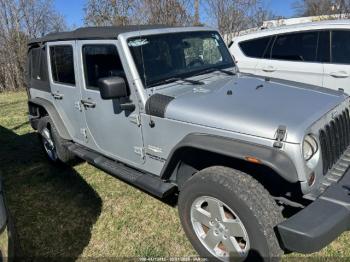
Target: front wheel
<point>227,215</point>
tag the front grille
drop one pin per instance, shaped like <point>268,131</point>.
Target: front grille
<point>334,139</point>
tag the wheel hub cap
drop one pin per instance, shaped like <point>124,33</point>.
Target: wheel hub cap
<point>49,144</point>
<point>218,228</point>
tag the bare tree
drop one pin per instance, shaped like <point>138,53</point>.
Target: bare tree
<point>196,19</point>
<point>124,12</point>
<point>21,20</point>
<point>330,8</point>
<point>261,15</point>
<point>168,12</point>
<point>109,12</point>
<point>232,16</point>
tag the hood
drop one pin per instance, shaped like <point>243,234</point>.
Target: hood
<point>251,106</point>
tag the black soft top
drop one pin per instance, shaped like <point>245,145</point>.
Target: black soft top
<point>104,32</point>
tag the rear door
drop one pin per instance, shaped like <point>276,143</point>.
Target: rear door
<point>337,72</point>
<point>293,57</point>
<point>66,93</point>
<point>111,130</point>
<point>247,53</point>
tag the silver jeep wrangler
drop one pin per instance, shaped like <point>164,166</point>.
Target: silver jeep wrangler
<point>258,166</point>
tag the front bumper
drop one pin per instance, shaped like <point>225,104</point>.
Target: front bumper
<point>319,223</point>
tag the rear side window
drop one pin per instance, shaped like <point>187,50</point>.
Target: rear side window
<point>255,48</point>
<point>300,47</point>
<point>37,64</point>
<point>341,47</point>
<point>100,61</point>
<point>62,64</point>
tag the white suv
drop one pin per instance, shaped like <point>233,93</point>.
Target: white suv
<point>311,53</point>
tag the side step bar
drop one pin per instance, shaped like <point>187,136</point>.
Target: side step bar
<point>148,182</point>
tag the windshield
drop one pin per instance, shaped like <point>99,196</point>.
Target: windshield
<point>180,55</point>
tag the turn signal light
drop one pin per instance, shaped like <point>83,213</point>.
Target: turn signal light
<point>311,179</point>
<point>252,160</point>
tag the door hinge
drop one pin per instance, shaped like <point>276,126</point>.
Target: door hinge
<point>139,151</point>
<point>84,133</point>
<point>280,136</point>
<point>77,105</point>
<point>135,118</point>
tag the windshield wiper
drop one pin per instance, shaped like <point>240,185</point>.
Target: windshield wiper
<point>210,70</point>
<point>227,72</point>
<point>174,79</point>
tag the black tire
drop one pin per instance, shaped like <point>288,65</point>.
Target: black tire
<point>63,154</point>
<point>247,198</point>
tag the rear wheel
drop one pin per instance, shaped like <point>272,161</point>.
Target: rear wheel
<point>227,215</point>
<point>48,144</point>
<point>52,143</point>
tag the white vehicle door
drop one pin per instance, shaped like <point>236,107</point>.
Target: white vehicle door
<point>293,57</point>
<point>246,53</point>
<point>337,72</point>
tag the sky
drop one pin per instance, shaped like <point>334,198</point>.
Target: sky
<point>74,13</point>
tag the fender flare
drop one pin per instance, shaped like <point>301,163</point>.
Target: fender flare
<point>274,158</point>
<point>55,117</point>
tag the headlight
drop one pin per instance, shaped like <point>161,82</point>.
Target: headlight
<point>310,147</point>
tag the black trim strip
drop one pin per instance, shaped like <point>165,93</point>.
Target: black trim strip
<point>276,159</point>
<point>156,105</point>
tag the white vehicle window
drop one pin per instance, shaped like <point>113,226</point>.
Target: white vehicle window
<point>255,48</point>
<point>296,47</point>
<point>341,47</point>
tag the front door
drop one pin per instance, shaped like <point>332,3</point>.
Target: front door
<point>64,88</point>
<point>112,131</point>
<point>337,72</point>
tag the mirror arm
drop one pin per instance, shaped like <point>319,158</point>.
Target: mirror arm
<point>127,106</point>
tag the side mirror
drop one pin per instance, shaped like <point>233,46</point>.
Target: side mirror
<point>112,87</point>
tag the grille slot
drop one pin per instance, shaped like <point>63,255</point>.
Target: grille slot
<point>334,139</point>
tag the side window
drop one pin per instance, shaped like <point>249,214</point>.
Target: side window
<point>100,61</point>
<point>255,48</point>
<point>296,47</point>
<point>341,47</point>
<point>37,64</point>
<point>62,64</point>
<point>323,49</point>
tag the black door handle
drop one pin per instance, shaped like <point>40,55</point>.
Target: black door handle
<point>88,103</point>
<point>57,96</point>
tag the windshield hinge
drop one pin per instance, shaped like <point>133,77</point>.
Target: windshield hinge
<point>280,136</point>
<point>84,134</point>
<point>77,105</point>
<point>139,151</point>
<point>135,119</point>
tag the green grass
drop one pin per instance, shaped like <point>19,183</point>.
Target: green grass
<point>79,211</point>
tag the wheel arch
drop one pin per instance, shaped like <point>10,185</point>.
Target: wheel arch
<point>197,151</point>
<point>39,108</point>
